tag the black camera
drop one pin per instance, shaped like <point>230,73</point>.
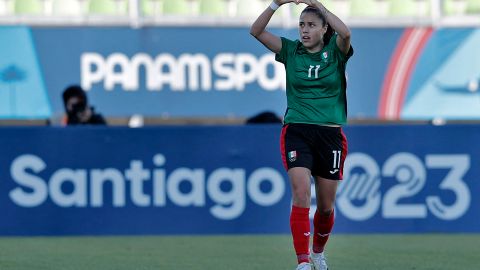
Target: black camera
<point>79,107</point>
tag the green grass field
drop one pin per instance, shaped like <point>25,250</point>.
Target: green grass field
<point>352,252</point>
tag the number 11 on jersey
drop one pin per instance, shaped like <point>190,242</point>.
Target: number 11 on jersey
<point>316,71</point>
<point>337,156</point>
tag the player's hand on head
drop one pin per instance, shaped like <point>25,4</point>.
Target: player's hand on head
<point>307,2</point>
<point>281,2</point>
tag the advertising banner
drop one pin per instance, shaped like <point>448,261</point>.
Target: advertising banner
<point>395,73</point>
<point>171,71</point>
<point>229,180</point>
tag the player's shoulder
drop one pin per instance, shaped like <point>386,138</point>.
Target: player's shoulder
<point>332,44</point>
<point>333,41</point>
<point>289,42</point>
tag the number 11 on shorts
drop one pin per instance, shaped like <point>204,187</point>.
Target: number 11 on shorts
<point>337,156</point>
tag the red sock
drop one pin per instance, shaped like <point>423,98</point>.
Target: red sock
<point>322,226</point>
<point>300,226</point>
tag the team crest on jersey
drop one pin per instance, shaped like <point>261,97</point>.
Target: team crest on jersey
<point>292,156</point>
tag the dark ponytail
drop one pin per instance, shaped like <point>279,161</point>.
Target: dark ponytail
<point>328,35</point>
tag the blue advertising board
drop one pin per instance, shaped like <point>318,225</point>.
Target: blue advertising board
<point>193,71</point>
<point>395,73</point>
<point>229,180</point>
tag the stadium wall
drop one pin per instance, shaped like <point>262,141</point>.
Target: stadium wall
<point>396,73</point>
<point>229,180</point>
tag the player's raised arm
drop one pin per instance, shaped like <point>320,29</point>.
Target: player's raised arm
<point>272,42</point>
<point>343,38</point>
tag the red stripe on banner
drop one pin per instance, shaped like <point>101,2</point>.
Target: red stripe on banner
<point>400,71</point>
<point>391,70</point>
<point>282,146</point>
<point>344,152</point>
<point>411,67</point>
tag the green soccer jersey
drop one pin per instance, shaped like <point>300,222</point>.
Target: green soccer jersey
<point>316,84</point>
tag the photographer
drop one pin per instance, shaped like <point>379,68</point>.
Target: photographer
<point>77,108</point>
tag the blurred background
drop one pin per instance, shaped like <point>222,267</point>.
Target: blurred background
<point>179,83</point>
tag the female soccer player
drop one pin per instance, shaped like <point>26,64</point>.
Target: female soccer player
<point>312,141</point>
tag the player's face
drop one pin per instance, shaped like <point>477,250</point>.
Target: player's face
<point>311,31</point>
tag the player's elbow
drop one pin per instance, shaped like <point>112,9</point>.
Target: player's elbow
<point>255,32</point>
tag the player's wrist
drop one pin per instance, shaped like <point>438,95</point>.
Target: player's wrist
<point>274,6</point>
